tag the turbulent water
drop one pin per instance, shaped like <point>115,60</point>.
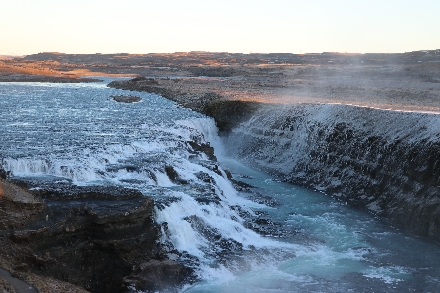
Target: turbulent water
<point>273,237</point>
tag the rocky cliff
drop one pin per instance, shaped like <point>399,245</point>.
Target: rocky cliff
<point>385,161</point>
<point>103,239</point>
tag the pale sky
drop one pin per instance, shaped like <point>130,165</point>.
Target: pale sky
<point>165,26</point>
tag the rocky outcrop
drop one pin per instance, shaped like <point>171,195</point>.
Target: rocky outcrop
<point>126,99</point>
<point>229,113</point>
<point>226,112</point>
<point>157,275</point>
<point>205,148</point>
<point>103,239</point>
<point>18,207</point>
<point>385,161</point>
<point>142,84</point>
<point>167,88</point>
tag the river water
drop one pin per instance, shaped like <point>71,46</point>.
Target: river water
<point>267,236</point>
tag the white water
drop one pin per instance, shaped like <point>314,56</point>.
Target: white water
<point>273,238</point>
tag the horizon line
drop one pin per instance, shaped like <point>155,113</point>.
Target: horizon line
<point>215,52</point>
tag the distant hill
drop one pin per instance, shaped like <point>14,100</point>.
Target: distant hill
<point>8,57</point>
<point>197,58</point>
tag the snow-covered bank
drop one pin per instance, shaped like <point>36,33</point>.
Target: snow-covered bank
<point>385,161</point>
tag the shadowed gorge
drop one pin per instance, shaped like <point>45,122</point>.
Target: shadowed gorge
<point>386,162</point>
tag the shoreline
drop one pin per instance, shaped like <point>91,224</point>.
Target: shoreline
<point>50,79</point>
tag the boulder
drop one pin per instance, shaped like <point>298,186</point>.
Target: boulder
<point>126,99</point>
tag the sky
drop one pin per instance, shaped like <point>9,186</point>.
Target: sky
<point>239,26</point>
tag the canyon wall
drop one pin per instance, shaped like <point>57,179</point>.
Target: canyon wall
<point>99,239</point>
<point>385,161</point>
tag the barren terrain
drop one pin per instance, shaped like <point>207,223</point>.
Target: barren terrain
<point>408,81</point>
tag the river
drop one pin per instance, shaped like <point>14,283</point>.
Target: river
<point>260,235</point>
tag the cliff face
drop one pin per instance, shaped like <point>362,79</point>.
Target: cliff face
<point>103,239</point>
<point>17,206</point>
<point>385,161</point>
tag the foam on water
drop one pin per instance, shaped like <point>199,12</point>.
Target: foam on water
<point>388,274</point>
<point>206,230</point>
<point>91,140</point>
<point>209,131</point>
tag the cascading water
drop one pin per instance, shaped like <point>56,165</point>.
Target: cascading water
<point>259,235</point>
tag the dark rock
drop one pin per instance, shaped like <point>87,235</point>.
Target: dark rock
<point>205,148</point>
<point>93,237</point>
<point>240,185</point>
<point>229,113</point>
<point>144,80</point>
<point>142,84</point>
<point>126,99</point>
<point>174,176</point>
<point>205,177</point>
<point>3,174</point>
<point>17,206</point>
<point>154,276</point>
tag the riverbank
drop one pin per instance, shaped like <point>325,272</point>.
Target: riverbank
<point>39,78</point>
